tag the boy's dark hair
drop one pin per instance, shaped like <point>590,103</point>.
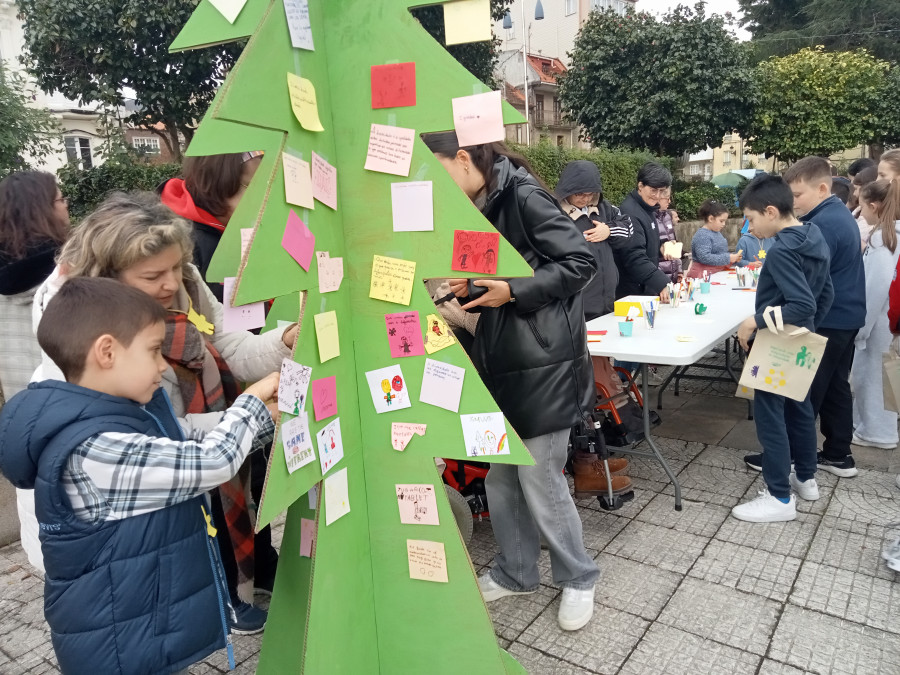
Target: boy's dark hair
<point>859,164</point>
<point>654,175</point>
<point>86,308</point>
<point>811,170</point>
<point>867,175</point>
<point>212,180</point>
<point>768,190</point>
<point>711,208</point>
<point>840,188</point>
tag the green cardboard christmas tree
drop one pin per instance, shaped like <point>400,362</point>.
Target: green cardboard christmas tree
<point>353,605</point>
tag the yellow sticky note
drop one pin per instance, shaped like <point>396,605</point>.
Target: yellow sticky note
<point>392,279</point>
<point>427,560</point>
<point>298,188</point>
<point>437,334</point>
<point>327,336</point>
<point>303,101</point>
<point>467,21</point>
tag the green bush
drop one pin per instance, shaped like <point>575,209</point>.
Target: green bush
<point>688,196</point>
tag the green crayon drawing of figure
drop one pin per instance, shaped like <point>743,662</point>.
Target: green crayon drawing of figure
<point>802,355</point>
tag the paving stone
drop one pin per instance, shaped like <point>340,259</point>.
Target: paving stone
<point>538,663</point>
<point>791,538</point>
<point>863,508</point>
<point>671,651</point>
<point>694,517</point>
<point>601,646</point>
<point>658,546</point>
<point>851,546</point>
<point>770,575</point>
<point>651,469</point>
<point>871,483</point>
<point>732,617</point>
<point>600,527</point>
<point>694,426</point>
<point>712,484</point>
<point>513,614</point>
<point>825,644</point>
<point>742,438</point>
<point>722,457</point>
<point>677,450</point>
<point>634,587</point>
<point>770,667</point>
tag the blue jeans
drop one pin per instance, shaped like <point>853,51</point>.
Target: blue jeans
<point>786,428</point>
<point>528,502</point>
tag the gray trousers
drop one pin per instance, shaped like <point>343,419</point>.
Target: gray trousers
<point>530,502</point>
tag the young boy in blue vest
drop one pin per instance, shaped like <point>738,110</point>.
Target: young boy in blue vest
<point>132,579</point>
<point>795,278</point>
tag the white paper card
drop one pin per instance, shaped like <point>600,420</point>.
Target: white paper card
<point>390,149</point>
<point>413,206</point>
<point>331,446</point>
<point>297,12</point>
<point>293,387</point>
<point>298,450</point>
<point>427,560</point>
<point>485,434</point>
<point>331,272</point>
<point>246,240</point>
<point>442,385</point>
<point>313,497</point>
<point>388,389</point>
<point>418,505</point>
<point>243,317</point>
<point>478,119</point>
<point>337,496</point>
<point>230,9</point>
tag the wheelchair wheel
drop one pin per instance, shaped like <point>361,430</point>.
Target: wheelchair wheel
<point>462,513</point>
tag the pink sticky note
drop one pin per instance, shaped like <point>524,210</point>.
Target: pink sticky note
<point>307,537</point>
<point>324,393</point>
<point>478,119</point>
<point>324,182</point>
<point>404,334</point>
<point>245,317</point>
<point>299,241</point>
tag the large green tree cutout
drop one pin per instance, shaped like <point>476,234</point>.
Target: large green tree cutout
<point>352,607</point>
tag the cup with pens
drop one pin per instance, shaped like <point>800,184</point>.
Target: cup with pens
<point>675,294</point>
<point>650,309</point>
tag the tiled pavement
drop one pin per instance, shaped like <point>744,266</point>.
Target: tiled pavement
<point>681,592</point>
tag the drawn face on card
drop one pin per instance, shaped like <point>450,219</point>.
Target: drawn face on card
<point>388,389</point>
<point>418,505</point>
<point>484,434</point>
<point>293,387</point>
<point>404,334</point>
<point>331,446</point>
<point>475,251</point>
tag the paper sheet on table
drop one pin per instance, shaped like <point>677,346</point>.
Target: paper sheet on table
<point>467,21</point>
<point>295,438</point>
<point>418,505</point>
<point>673,248</point>
<point>484,434</point>
<point>388,389</point>
<point>243,317</point>
<point>324,182</point>
<point>297,13</point>
<point>293,387</point>
<point>331,445</point>
<point>327,336</point>
<point>427,560</point>
<point>307,537</point>
<point>393,85</point>
<point>392,279</point>
<point>337,496</point>
<point>437,334</point>
<point>298,240</point>
<point>230,9</point>
<point>442,385</point>
<point>412,206</point>
<point>324,396</point>
<point>402,433</point>
<point>404,334</point>
<point>478,119</point>
<point>298,188</point>
<point>390,149</point>
<point>475,251</point>
<point>303,102</point>
<point>331,272</point>
<point>246,240</point>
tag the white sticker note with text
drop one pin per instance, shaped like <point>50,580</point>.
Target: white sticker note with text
<point>390,149</point>
<point>413,206</point>
<point>442,385</point>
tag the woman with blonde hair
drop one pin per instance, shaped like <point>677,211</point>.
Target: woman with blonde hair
<point>889,166</point>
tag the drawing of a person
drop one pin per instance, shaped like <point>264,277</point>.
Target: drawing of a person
<point>490,259</point>
<point>436,328</point>
<point>405,346</point>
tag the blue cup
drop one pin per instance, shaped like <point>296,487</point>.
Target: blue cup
<point>625,328</point>
<point>704,287</point>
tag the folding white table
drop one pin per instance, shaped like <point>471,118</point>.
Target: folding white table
<point>679,338</point>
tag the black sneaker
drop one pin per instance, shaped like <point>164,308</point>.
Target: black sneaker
<point>844,468</point>
<point>754,461</point>
<point>246,619</point>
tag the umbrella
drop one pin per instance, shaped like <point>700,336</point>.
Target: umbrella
<point>727,180</point>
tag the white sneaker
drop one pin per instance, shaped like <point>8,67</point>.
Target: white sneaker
<point>766,509</point>
<point>872,444</point>
<point>576,608</point>
<point>891,552</point>
<point>807,489</point>
<point>491,590</point>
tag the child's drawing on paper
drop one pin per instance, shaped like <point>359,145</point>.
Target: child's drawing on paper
<point>404,334</point>
<point>475,251</point>
<point>484,434</point>
<point>437,334</point>
<point>293,387</point>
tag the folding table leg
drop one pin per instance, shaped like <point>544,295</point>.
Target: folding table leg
<point>649,438</point>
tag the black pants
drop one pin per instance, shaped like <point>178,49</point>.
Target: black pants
<point>830,395</point>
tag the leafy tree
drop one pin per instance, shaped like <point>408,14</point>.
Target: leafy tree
<point>90,50</point>
<point>27,133</point>
<point>670,86</point>
<point>887,116</point>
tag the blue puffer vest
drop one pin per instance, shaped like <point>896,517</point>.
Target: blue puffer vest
<point>133,596</point>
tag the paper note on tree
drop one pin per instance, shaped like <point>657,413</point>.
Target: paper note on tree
<point>390,149</point>
<point>331,272</point>
<point>324,396</point>
<point>293,386</point>
<point>298,450</point>
<point>243,317</point>
<point>467,21</point>
<point>484,434</point>
<point>404,334</point>
<point>298,188</point>
<point>427,560</point>
<point>298,240</point>
<point>418,505</point>
<point>230,9</point>
<point>324,182</point>
<point>478,119</point>
<point>303,102</point>
<point>394,85</point>
<point>331,445</point>
<point>392,279</point>
<point>327,336</point>
<point>437,334</point>
<point>402,433</point>
<point>297,13</point>
<point>388,389</point>
<point>475,251</point>
<point>442,385</point>
<point>412,206</point>
<point>307,537</point>
<point>337,496</point>
<point>246,240</point>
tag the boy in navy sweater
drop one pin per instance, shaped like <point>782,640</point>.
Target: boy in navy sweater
<point>795,278</point>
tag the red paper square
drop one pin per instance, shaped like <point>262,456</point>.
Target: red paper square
<point>475,251</point>
<point>394,86</point>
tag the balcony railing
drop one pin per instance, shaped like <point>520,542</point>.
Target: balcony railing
<point>549,118</point>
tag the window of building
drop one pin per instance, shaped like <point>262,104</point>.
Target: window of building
<point>146,144</point>
<point>571,7</point>
<point>559,141</point>
<point>726,157</point>
<point>618,6</point>
<point>78,149</point>
<point>695,169</point>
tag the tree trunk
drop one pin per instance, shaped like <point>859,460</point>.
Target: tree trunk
<point>875,151</point>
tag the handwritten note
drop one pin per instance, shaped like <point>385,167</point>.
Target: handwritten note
<point>437,334</point>
<point>303,102</point>
<point>404,334</point>
<point>327,336</point>
<point>392,279</point>
<point>478,119</point>
<point>467,21</point>
<point>298,240</point>
<point>402,433</point>
<point>413,206</point>
<point>442,385</point>
<point>427,560</point>
<point>230,9</point>
<point>337,496</point>
<point>243,317</point>
<point>390,149</point>
<point>324,395</point>
<point>484,434</point>
<point>298,188</point>
<point>475,251</point>
<point>388,389</point>
<point>394,86</point>
<point>331,445</point>
<point>307,537</point>
<point>297,13</point>
<point>246,240</point>
<point>324,182</point>
<point>418,505</point>
<point>293,386</point>
<point>298,450</point>
<point>331,272</point>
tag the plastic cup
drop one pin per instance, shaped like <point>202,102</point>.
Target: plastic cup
<point>704,287</point>
<point>625,328</point>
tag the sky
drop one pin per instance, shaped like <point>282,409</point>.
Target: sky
<point>712,7</point>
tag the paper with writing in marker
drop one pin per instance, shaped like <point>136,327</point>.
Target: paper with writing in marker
<point>442,385</point>
<point>438,335</point>
<point>298,240</point>
<point>390,149</point>
<point>337,496</point>
<point>297,13</point>
<point>246,240</point>
<point>404,334</point>
<point>478,119</point>
<point>243,317</point>
<point>298,189</point>
<point>303,102</point>
<point>402,433</point>
<point>331,445</point>
<point>307,537</point>
<point>475,251</point>
<point>392,279</point>
<point>427,560</point>
<point>331,272</point>
<point>484,434</point>
<point>324,182</point>
<point>467,21</point>
<point>412,206</point>
<point>418,505</point>
<point>295,437</point>
<point>388,389</point>
<point>327,336</point>
<point>394,85</point>
<point>293,387</point>
<point>230,9</point>
<point>324,396</point>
